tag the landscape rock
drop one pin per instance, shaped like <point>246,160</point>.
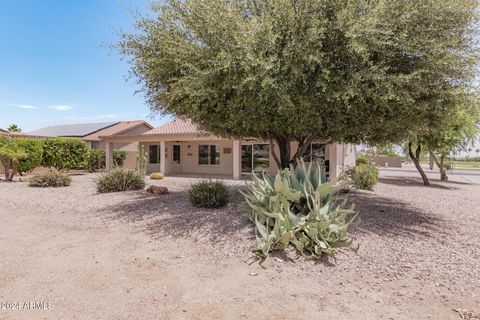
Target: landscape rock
<point>157,190</point>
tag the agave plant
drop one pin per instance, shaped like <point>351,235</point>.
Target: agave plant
<point>299,207</point>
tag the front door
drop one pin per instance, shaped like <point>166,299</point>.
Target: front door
<point>255,158</point>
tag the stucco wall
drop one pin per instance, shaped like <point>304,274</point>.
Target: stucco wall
<point>340,157</point>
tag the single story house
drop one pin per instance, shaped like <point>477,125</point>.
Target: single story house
<point>179,147</point>
<point>91,133</point>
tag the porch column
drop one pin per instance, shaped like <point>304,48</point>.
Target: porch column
<point>163,159</point>
<point>108,156</point>
<point>237,163</point>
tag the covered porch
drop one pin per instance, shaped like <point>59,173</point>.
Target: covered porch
<point>211,156</point>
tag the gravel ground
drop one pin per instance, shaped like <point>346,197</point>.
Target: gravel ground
<point>134,255</point>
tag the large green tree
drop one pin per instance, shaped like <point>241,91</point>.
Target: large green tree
<point>299,70</point>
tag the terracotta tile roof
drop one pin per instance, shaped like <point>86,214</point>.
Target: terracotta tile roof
<point>4,133</point>
<point>177,126</point>
<point>116,129</point>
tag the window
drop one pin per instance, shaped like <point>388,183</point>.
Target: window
<point>176,154</point>
<point>154,153</point>
<point>315,152</point>
<point>208,154</point>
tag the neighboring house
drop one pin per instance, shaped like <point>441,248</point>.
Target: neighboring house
<point>91,133</point>
<point>179,148</point>
<point>8,134</point>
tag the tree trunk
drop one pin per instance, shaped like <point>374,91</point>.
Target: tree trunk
<point>441,165</point>
<point>6,167</point>
<point>14,170</point>
<point>431,161</point>
<point>416,160</point>
<point>443,171</point>
<point>284,149</point>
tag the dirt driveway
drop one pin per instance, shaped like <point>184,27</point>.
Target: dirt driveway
<point>136,256</point>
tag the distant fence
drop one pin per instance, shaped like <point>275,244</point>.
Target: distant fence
<point>385,161</point>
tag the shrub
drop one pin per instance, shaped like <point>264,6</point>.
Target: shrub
<point>364,176</point>
<point>64,153</point>
<point>34,150</point>
<point>50,179</point>
<point>208,194</point>
<point>10,156</point>
<point>299,208</point>
<point>119,157</point>
<point>120,180</point>
<point>156,176</point>
<point>361,160</point>
<point>96,159</point>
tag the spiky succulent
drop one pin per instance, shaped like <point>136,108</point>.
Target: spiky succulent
<point>299,207</point>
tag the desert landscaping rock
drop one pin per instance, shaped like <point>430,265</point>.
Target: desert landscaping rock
<point>157,190</point>
<point>116,256</point>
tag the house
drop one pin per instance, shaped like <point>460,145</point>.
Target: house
<point>179,147</point>
<point>91,133</point>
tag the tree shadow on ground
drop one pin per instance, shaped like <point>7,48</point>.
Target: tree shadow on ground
<point>172,215</point>
<point>393,218</point>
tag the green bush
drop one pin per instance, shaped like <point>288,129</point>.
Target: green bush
<point>364,176</point>
<point>50,179</point>
<point>96,159</point>
<point>361,160</point>
<point>64,153</point>
<point>120,180</point>
<point>156,176</point>
<point>299,208</point>
<point>119,157</point>
<point>208,194</point>
<point>34,150</point>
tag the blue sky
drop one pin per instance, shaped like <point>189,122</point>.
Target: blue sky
<point>55,67</point>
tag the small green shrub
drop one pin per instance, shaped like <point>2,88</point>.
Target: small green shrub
<point>34,150</point>
<point>96,159</point>
<point>120,180</point>
<point>208,194</point>
<point>361,160</point>
<point>364,176</point>
<point>156,176</point>
<point>64,153</point>
<point>298,207</point>
<point>50,179</point>
<point>119,157</point>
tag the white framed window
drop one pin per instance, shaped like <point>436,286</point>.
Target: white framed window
<point>209,154</point>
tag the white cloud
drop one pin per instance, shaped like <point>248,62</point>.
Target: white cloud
<point>61,107</point>
<point>23,106</point>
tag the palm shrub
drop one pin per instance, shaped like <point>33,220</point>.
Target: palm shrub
<point>298,207</point>
<point>208,194</point>
<point>11,154</point>
<point>50,179</point>
<point>120,179</point>
<point>364,176</point>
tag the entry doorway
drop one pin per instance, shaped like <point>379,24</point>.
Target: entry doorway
<point>255,158</point>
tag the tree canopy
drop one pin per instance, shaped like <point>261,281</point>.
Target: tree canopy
<point>285,70</point>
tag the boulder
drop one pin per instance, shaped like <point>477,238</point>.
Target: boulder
<point>157,190</point>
